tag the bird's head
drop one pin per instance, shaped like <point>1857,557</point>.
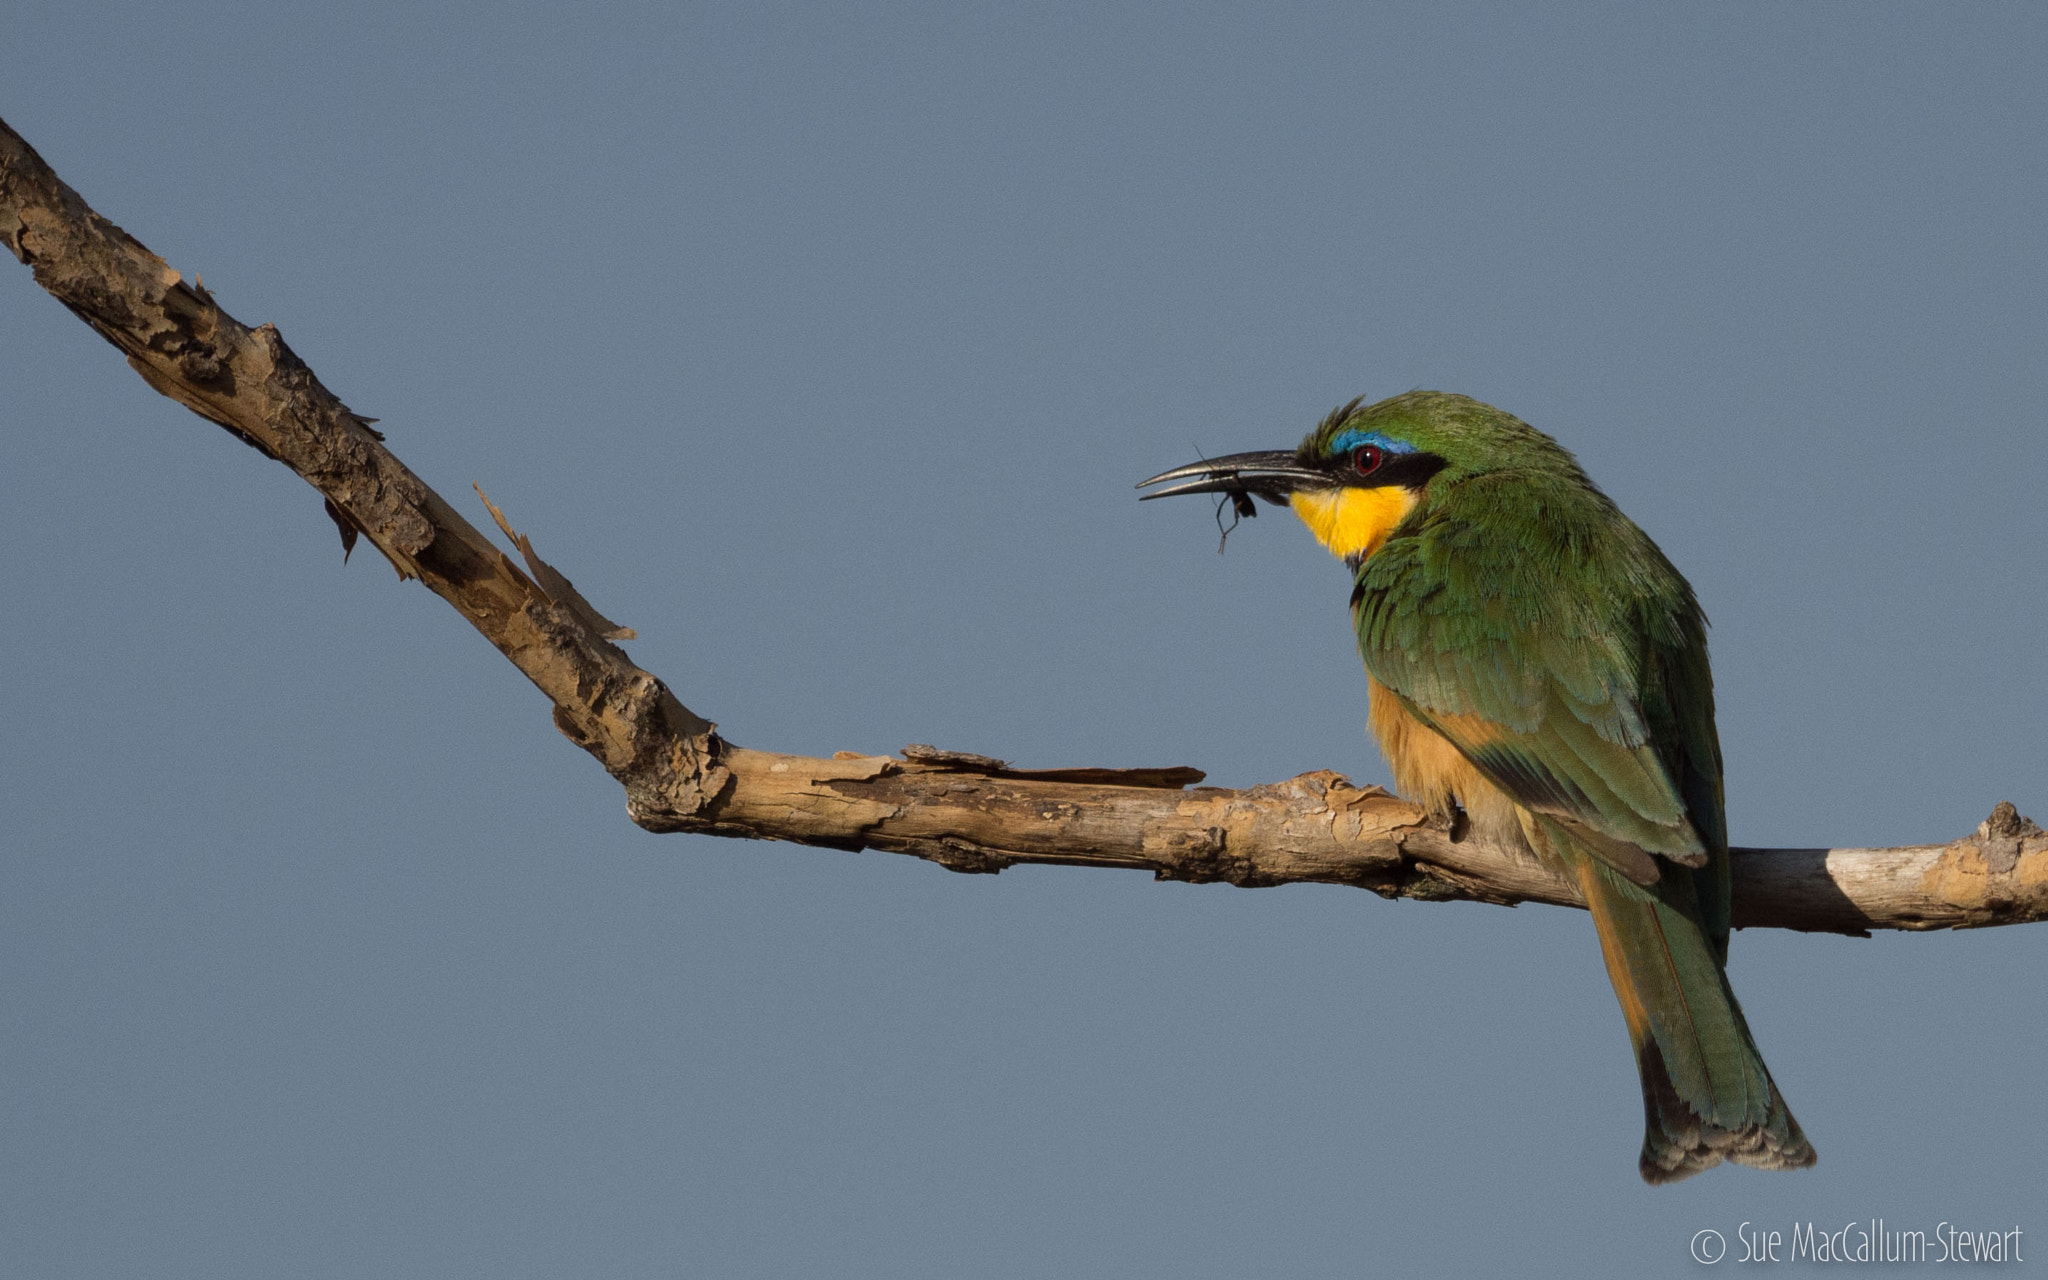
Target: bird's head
<point>1366,468</point>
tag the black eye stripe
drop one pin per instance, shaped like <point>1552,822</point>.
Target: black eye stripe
<point>1410,470</point>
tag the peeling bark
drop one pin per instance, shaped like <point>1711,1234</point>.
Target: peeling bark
<point>968,813</point>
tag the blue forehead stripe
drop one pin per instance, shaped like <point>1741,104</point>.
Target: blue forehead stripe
<point>1352,439</point>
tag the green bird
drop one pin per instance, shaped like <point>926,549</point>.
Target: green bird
<point>1533,659</point>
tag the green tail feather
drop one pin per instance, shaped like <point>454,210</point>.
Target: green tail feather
<point>1707,1096</point>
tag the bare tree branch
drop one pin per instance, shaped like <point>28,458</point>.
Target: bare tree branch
<point>965,812</point>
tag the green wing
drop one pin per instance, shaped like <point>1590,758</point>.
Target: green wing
<point>1528,621</point>
<point>1534,626</point>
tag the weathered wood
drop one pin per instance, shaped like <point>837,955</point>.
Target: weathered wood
<point>966,812</point>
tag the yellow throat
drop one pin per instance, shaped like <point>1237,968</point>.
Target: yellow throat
<point>1350,521</point>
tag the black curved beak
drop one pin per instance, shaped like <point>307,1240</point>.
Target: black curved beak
<point>1272,474</point>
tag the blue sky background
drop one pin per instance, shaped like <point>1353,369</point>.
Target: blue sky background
<point>823,344</point>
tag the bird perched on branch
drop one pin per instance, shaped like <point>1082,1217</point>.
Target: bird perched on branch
<point>1533,658</point>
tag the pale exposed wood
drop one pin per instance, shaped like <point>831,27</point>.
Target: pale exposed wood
<point>965,812</point>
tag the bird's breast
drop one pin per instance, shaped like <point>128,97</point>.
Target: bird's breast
<point>1429,769</point>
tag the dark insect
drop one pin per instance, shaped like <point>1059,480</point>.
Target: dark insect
<point>1241,507</point>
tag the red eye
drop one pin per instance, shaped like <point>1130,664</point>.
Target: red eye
<point>1366,459</point>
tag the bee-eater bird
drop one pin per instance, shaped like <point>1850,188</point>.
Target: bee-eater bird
<point>1532,658</point>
